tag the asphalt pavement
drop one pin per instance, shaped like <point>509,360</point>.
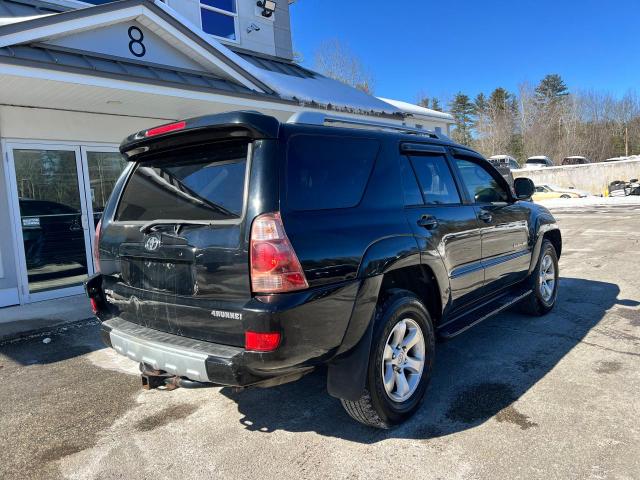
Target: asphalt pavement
<point>514,397</point>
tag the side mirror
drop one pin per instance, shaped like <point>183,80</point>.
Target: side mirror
<point>524,188</point>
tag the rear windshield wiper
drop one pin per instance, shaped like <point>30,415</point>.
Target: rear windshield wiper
<point>176,224</point>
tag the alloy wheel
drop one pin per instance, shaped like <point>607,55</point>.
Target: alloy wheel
<point>547,278</point>
<point>403,360</point>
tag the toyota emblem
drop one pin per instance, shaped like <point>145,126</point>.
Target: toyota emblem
<point>152,243</point>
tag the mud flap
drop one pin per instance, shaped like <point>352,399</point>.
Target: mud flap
<point>347,375</point>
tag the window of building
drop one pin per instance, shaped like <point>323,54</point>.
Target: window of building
<point>220,18</point>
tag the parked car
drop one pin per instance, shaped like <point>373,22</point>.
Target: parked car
<point>241,251</point>
<point>539,161</point>
<point>52,233</point>
<point>575,160</point>
<point>622,159</point>
<point>503,167</point>
<point>619,188</point>
<point>546,191</point>
<point>504,160</point>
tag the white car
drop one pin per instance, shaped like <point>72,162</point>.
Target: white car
<point>538,161</point>
<point>504,160</point>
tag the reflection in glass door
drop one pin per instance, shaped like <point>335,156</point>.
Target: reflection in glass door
<point>104,166</point>
<point>52,217</point>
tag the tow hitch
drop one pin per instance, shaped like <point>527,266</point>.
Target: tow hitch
<point>157,378</point>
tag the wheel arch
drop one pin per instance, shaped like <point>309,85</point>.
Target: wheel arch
<point>388,271</point>
<point>545,227</point>
<point>555,237</point>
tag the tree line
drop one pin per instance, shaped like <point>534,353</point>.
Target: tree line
<point>547,119</point>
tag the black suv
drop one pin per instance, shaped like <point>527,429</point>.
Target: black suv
<point>238,250</point>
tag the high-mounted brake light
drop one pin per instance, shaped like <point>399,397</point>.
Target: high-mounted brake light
<point>170,127</point>
<point>274,264</point>
<point>261,342</point>
<point>96,247</point>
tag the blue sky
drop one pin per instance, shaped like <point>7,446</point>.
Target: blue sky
<point>441,47</point>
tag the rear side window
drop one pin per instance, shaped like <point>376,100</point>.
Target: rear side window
<point>325,172</point>
<point>196,184</point>
<point>435,180</point>
<point>410,188</point>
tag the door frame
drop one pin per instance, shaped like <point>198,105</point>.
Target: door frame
<point>80,150</point>
<point>86,148</point>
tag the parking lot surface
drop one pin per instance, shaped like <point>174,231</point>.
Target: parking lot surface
<point>514,397</point>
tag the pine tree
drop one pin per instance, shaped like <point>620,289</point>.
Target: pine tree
<point>435,104</point>
<point>499,100</point>
<point>480,104</point>
<point>462,110</point>
<point>551,89</point>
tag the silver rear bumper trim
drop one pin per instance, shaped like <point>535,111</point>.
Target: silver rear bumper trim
<point>180,361</point>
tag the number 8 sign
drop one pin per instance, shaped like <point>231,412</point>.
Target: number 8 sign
<point>136,47</point>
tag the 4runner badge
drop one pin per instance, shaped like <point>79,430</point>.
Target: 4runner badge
<point>223,314</point>
<point>152,243</point>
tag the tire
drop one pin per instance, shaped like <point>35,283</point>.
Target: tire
<point>377,407</point>
<point>540,301</point>
<point>565,196</point>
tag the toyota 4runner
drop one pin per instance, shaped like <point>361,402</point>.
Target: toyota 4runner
<point>241,251</point>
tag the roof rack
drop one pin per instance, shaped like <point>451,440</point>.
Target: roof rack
<point>320,118</point>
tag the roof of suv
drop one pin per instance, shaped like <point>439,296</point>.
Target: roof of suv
<point>255,125</point>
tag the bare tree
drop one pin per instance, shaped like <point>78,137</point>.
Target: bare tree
<point>496,122</point>
<point>625,111</point>
<point>549,120</point>
<point>335,60</point>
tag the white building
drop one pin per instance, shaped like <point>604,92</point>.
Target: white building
<point>76,78</point>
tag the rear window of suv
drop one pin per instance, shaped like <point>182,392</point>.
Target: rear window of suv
<point>195,184</point>
<point>327,172</point>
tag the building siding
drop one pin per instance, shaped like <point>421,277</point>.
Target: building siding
<point>272,35</point>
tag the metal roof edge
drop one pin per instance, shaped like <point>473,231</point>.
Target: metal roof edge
<point>121,5</point>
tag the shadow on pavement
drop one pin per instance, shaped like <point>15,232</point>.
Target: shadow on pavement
<point>65,342</point>
<point>478,375</point>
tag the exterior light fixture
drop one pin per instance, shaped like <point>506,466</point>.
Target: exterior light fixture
<point>267,6</point>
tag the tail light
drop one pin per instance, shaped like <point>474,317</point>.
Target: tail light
<point>274,265</point>
<point>261,342</point>
<point>96,247</point>
<point>94,305</point>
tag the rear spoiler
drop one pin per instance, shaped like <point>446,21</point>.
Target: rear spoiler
<point>199,130</point>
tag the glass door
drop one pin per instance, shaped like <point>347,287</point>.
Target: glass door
<point>102,167</point>
<point>52,222</point>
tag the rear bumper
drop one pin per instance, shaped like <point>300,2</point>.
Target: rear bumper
<point>181,356</point>
<point>312,323</point>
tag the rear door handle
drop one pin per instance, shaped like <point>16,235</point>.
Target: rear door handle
<point>428,221</point>
<point>485,216</point>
